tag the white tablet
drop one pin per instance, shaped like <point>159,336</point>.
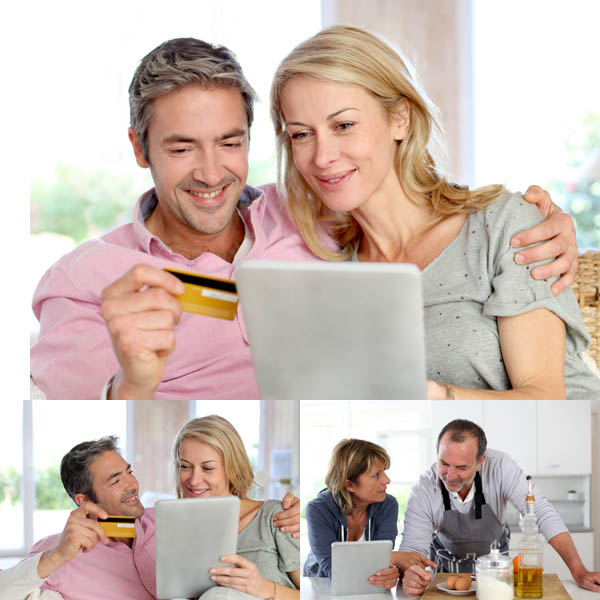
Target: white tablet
<point>321,330</point>
<point>352,563</point>
<point>191,535</point>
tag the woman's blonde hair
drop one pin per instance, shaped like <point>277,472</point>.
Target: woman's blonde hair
<point>350,459</point>
<point>221,435</point>
<point>352,55</point>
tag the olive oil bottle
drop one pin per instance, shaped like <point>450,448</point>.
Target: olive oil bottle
<point>531,552</point>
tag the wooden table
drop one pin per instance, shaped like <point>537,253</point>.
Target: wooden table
<point>319,588</point>
<point>553,589</point>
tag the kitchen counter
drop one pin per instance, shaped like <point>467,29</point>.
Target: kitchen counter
<point>319,588</point>
<point>516,530</point>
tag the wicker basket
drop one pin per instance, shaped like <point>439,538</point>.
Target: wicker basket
<point>587,292</point>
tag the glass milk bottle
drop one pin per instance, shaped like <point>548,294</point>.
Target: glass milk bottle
<point>494,576</point>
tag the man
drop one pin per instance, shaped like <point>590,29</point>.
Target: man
<point>191,112</point>
<point>458,508</point>
<point>74,563</point>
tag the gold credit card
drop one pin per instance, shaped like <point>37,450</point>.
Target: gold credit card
<point>118,526</point>
<point>204,295</point>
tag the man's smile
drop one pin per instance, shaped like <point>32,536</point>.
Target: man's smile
<point>131,499</point>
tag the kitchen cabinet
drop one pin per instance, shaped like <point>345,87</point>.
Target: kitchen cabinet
<point>511,426</point>
<point>544,437</point>
<point>564,436</point>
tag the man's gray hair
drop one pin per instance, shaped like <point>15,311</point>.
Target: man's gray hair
<point>175,64</point>
<point>459,429</point>
<point>75,466</point>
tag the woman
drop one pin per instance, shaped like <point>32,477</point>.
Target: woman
<point>210,460</point>
<point>354,133</point>
<point>355,507</point>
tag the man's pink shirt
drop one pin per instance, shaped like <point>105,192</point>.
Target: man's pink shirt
<point>73,358</point>
<point>108,572</point>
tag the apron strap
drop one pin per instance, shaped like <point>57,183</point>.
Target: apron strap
<point>445,496</point>
<point>479,497</point>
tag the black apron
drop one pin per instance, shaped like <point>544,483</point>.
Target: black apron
<point>463,537</point>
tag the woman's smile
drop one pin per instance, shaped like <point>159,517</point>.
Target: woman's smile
<point>336,181</point>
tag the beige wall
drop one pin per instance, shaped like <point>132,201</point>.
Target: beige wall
<point>437,38</point>
<point>153,425</point>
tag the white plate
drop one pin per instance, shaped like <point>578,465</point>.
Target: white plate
<point>442,586</point>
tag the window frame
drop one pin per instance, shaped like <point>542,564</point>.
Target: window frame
<point>27,485</point>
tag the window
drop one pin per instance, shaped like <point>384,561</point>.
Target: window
<point>38,434</point>
<point>537,118</point>
<point>12,484</point>
<point>402,428</point>
<point>57,427</point>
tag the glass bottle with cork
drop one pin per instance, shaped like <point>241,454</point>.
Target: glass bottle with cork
<point>531,552</point>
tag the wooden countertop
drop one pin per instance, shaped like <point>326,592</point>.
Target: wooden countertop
<point>553,589</point>
<point>319,588</point>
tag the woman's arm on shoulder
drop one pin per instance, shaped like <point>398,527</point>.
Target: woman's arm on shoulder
<point>288,520</point>
<point>533,351</point>
<point>557,231</point>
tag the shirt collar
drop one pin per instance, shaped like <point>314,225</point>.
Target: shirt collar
<point>152,244</point>
<point>146,204</point>
<point>468,498</point>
